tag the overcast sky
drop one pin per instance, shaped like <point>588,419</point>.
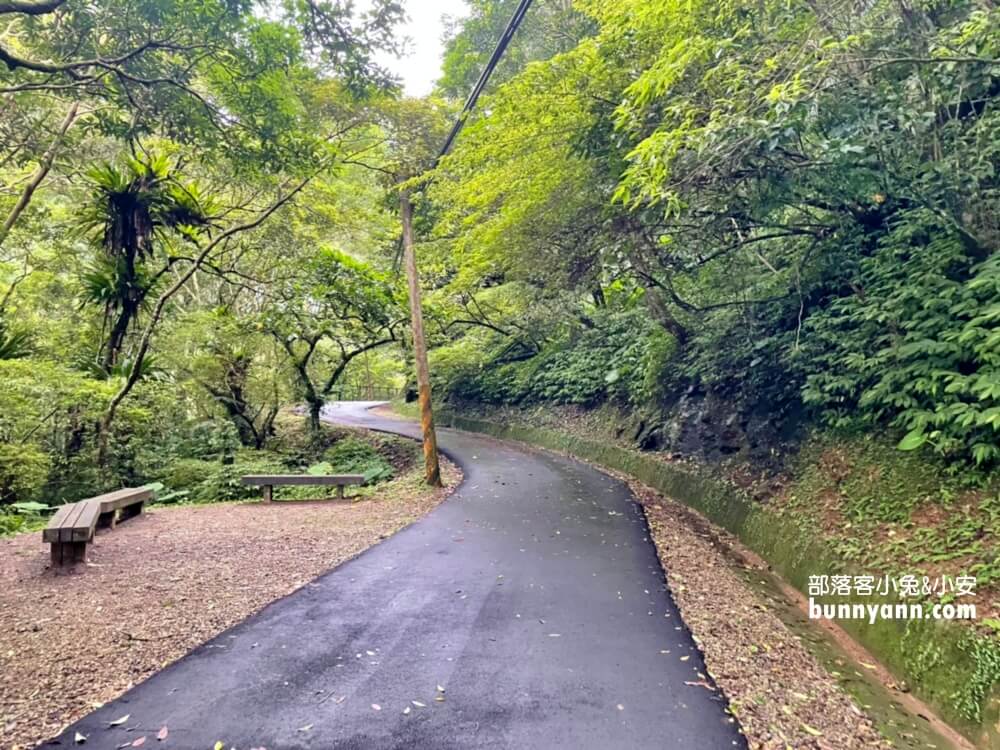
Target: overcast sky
<point>422,66</point>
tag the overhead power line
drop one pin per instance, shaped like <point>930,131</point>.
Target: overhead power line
<point>477,90</point>
<point>484,77</point>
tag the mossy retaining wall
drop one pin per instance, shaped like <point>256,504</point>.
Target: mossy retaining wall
<point>947,665</point>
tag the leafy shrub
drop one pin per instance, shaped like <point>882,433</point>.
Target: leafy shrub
<point>188,473</point>
<point>10,522</point>
<point>616,354</point>
<point>917,346</point>
<point>660,350</point>
<point>19,517</point>
<point>212,481</point>
<point>352,455</point>
<point>213,438</point>
<point>23,470</point>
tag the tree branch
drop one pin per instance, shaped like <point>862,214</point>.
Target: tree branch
<point>30,7</point>
<point>44,165</point>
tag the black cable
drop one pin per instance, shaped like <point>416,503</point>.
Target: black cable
<point>474,95</point>
<point>484,77</point>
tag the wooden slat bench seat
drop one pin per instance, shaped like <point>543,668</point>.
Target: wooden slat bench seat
<point>121,505</point>
<point>71,529</point>
<point>270,481</point>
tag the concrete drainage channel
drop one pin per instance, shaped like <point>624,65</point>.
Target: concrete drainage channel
<point>904,718</point>
<point>905,726</point>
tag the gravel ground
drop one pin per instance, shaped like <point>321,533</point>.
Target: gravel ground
<point>782,696</point>
<point>161,584</point>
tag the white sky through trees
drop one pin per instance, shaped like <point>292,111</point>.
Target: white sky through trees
<point>421,67</point>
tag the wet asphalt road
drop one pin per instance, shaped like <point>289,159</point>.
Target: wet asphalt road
<point>533,596</point>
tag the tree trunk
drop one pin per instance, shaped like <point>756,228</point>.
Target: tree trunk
<point>44,165</point>
<point>116,339</point>
<point>432,469</point>
<point>315,409</point>
<point>314,400</point>
<point>654,300</point>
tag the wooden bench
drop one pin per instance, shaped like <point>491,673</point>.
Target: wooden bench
<point>71,529</point>
<point>121,505</point>
<point>269,481</point>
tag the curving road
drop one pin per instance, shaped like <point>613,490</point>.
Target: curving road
<point>533,596</point>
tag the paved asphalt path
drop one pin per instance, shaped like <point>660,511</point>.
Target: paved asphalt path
<point>533,596</point>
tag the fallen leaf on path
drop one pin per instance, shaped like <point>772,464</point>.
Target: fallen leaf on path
<point>406,711</point>
<point>376,707</point>
<point>118,722</point>
<point>699,683</point>
<point>139,741</point>
<point>306,728</point>
<point>812,730</point>
<point>79,738</point>
<point>162,734</point>
<point>418,704</point>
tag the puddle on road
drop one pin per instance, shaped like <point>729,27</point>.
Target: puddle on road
<point>897,723</point>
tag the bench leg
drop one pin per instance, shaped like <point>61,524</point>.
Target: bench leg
<point>340,491</point>
<point>267,493</point>
<point>108,520</point>
<point>67,553</point>
<point>130,511</point>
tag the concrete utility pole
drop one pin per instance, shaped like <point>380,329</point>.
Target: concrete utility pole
<point>432,470</point>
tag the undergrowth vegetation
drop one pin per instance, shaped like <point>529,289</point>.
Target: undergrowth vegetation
<point>205,463</point>
<point>788,206</point>
<point>216,477</point>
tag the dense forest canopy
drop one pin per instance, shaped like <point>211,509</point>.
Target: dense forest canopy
<point>793,205</point>
<point>195,213</point>
<point>789,206</point>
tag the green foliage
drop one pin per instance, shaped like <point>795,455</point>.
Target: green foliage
<point>14,344</point>
<point>354,456</point>
<point>610,355</point>
<point>985,652</point>
<point>209,464</point>
<point>46,414</point>
<point>918,346</point>
<point>812,229</point>
<point>23,470</point>
<point>210,439</point>
<point>214,482</point>
<point>21,517</point>
<point>551,27</point>
<point>11,523</point>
